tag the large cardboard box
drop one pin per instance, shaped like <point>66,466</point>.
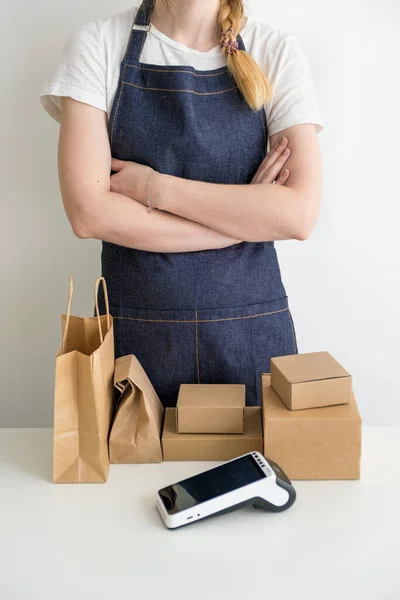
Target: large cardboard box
<point>310,380</point>
<point>212,446</point>
<point>211,408</point>
<point>314,443</point>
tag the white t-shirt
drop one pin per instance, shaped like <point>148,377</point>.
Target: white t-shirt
<point>88,70</point>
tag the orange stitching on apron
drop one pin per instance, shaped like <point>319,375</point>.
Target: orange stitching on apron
<point>197,350</point>
<point>129,43</point>
<point>201,320</point>
<point>189,91</point>
<point>295,349</point>
<point>177,71</point>
<point>116,111</point>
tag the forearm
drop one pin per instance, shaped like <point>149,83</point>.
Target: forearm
<point>115,218</point>
<point>253,212</point>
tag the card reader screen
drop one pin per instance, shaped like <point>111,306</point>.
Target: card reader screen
<point>210,484</point>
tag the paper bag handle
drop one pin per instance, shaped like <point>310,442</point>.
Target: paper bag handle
<point>70,292</point>
<point>96,291</point>
<point>96,299</point>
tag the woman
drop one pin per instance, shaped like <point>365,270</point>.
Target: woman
<point>178,99</point>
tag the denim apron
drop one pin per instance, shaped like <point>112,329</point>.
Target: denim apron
<point>208,316</point>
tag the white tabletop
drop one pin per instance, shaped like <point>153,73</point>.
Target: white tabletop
<point>339,541</point>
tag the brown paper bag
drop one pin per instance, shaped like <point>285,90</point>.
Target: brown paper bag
<point>136,429</point>
<point>83,396</point>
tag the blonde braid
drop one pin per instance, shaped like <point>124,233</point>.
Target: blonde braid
<point>249,78</point>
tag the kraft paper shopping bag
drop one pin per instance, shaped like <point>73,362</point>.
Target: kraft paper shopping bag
<point>83,395</point>
<point>136,429</point>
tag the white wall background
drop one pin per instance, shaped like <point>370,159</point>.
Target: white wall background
<point>343,283</point>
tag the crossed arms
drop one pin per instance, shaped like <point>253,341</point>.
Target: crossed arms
<point>188,215</point>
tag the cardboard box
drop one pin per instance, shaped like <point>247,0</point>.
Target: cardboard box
<point>314,443</point>
<point>212,446</point>
<point>310,380</point>
<point>211,408</point>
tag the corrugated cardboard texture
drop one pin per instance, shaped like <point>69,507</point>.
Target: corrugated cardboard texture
<point>211,408</point>
<point>316,443</point>
<point>310,380</point>
<point>211,446</point>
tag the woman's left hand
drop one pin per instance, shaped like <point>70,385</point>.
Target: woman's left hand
<point>130,179</point>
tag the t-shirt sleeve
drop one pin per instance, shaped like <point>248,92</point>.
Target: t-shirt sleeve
<point>80,73</point>
<point>294,99</point>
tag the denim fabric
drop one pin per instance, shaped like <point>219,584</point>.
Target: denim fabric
<point>210,316</point>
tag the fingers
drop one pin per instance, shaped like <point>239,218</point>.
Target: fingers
<point>114,183</point>
<point>283,177</point>
<point>273,162</point>
<point>273,155</point>
<point>275,152</point>
<point>271,173</point>
<point>117,165</point>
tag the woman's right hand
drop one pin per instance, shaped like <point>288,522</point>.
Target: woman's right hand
<point>271,169</point>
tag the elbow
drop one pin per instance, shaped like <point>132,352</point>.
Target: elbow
<point>305,223</point>
<point>84,217</point>
<point>80,232</point>
<point>303,232</point>
<point>81,226</point>
<point>77,215</point>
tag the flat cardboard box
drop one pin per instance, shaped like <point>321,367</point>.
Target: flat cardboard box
<point>211,408</point>
<point>310,380</point>
<point>314,443</point>
<point>212,446</point>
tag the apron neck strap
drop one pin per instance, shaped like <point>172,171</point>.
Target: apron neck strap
<point>144,12</point>
<point>140,28</point>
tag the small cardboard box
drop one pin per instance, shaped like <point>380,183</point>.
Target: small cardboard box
<point>212,446</point>
<point>310,380</point>
<point>211,408</point>
<point>315,443</point>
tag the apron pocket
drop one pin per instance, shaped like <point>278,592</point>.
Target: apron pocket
<point>224,345</point>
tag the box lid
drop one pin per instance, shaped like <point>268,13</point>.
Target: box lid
<point>274,408</point>
<point>311,366</point>
<point>211,395</point>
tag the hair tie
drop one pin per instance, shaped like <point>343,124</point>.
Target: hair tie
<point>230,46</point>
